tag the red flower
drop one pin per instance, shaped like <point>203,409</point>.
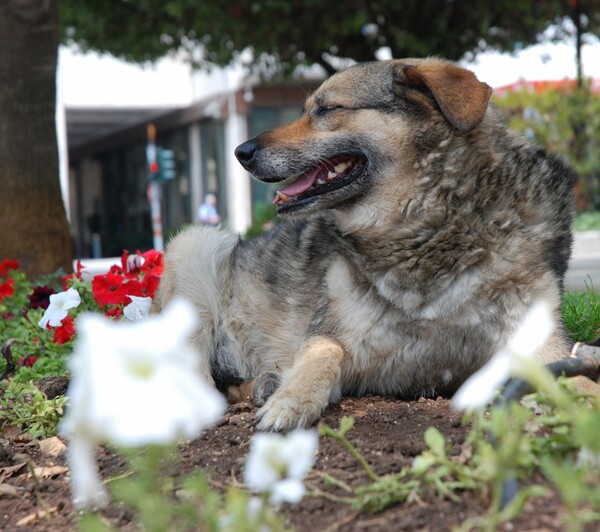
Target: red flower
<point>145,288</point>
<point>114,312</point>
<point>40,297</point>
<point>7,288</point>
<point>109,289</point>
<point>75,275</point>
<point>116,270</point>
<point>65,332</point>
<point>124,261</point>
<point>27,361</point>
<point>8,264</point>
<point>153,263</point>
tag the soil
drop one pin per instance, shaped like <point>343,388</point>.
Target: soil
<point>387,432</point>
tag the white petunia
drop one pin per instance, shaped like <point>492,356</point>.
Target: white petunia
<point>138,309</point>
<point>586,459</point>
<point>135,384</point>
<point>481,387</point>
<point>59,306</point>
<point>88,490</point>
<point>277,464</point>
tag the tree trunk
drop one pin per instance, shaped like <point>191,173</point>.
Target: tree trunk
<point>33,223</point>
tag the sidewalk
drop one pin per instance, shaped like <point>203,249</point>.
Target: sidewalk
<point>584,270</point>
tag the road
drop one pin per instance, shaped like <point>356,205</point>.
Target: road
<point>584,270</point>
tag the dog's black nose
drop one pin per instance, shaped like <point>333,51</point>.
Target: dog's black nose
<point>245,152</point>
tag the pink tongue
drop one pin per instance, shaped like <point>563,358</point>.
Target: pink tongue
<point>302,183</point>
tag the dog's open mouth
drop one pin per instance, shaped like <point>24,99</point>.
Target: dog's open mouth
<point>332,174</point>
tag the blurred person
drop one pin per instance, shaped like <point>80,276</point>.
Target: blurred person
<point>207,212</point>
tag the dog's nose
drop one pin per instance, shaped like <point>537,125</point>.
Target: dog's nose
<point>245,152</point>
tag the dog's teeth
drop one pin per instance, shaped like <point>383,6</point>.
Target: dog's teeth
<point>321,181</point>
<point>331,175</point>
<point>340,167</point>
<point>280,197</point>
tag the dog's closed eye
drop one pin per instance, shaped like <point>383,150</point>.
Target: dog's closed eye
<point>324,109</point>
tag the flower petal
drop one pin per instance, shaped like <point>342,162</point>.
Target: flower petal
<point>481,387</point>
<point>86,485</point>
<point>138,309</point>
<point>288,490</point>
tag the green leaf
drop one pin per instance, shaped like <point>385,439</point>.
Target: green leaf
<point>346,423</point>
<point>435,441</point>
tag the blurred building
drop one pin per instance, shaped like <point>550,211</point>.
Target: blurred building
<point>106,188</point>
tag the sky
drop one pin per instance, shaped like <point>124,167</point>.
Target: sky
<point>540,62</point>
<point>93,80</point>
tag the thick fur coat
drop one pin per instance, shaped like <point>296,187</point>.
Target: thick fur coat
<point>418,231</point>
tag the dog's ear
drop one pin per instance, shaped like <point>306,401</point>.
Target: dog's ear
<point>462,98</point>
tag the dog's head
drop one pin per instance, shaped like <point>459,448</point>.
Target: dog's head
<point>372,120</point>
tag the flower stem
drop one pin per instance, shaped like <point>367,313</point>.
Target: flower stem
<point>337,435</point>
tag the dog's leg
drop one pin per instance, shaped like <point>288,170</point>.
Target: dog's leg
<point>306,387</point>
<point>257,390</point>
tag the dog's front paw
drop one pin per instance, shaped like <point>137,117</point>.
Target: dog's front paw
<point>264,386</point>
<point>283,412</point>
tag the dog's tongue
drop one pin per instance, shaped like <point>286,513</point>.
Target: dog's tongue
<point>302,183</point>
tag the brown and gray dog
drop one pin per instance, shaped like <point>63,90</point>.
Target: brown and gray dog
<point>418,231</point>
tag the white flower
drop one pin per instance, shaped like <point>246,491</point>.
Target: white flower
<point>138,309</point>
<point>87,487</point>
<point>134,262</point>
<point>134,384</point>
<point>586,459</point>
<point>58,308</point>
<point>277,464</point>
<point>481,387</point>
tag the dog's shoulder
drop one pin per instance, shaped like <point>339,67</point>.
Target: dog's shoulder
<point>196,265</point>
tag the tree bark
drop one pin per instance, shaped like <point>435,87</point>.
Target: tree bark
<point>33,223</point>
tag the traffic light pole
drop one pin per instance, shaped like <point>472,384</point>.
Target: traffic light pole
<point>153,190</point>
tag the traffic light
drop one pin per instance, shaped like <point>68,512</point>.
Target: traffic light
<point>166,164</point>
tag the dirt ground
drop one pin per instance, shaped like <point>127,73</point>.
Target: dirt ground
<point>388,432</point>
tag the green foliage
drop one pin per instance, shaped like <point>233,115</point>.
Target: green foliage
<point>23,405</point>
<point>509,442</point>
<point>20,328</point>
<point>306,32</point>
<point>160,504</point>
<point>587,221</point>
<point>264,218</point>
<point>566,121</point>
<point>581,315</point>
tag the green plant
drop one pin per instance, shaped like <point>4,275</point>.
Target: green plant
<point>23,405</point>
<point>160,503</point>
<point>581,315</point>
<point>566,121</point>
<point>587,221</point>
<point>264,218</point>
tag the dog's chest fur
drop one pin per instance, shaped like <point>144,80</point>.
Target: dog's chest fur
<point>404,330</point>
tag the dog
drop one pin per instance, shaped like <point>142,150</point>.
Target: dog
<point>417,231</point>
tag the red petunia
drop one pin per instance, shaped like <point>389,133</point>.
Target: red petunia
<point>75,275</point>
<point>116,270</point>
<point>28,361</point>
<point>64,333</point>
<point>8,264</point>
<point>146,287</point>
<point>114,312</point>
<point>109,289</point>
<point>7,288</point>
<point>154,263</point>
